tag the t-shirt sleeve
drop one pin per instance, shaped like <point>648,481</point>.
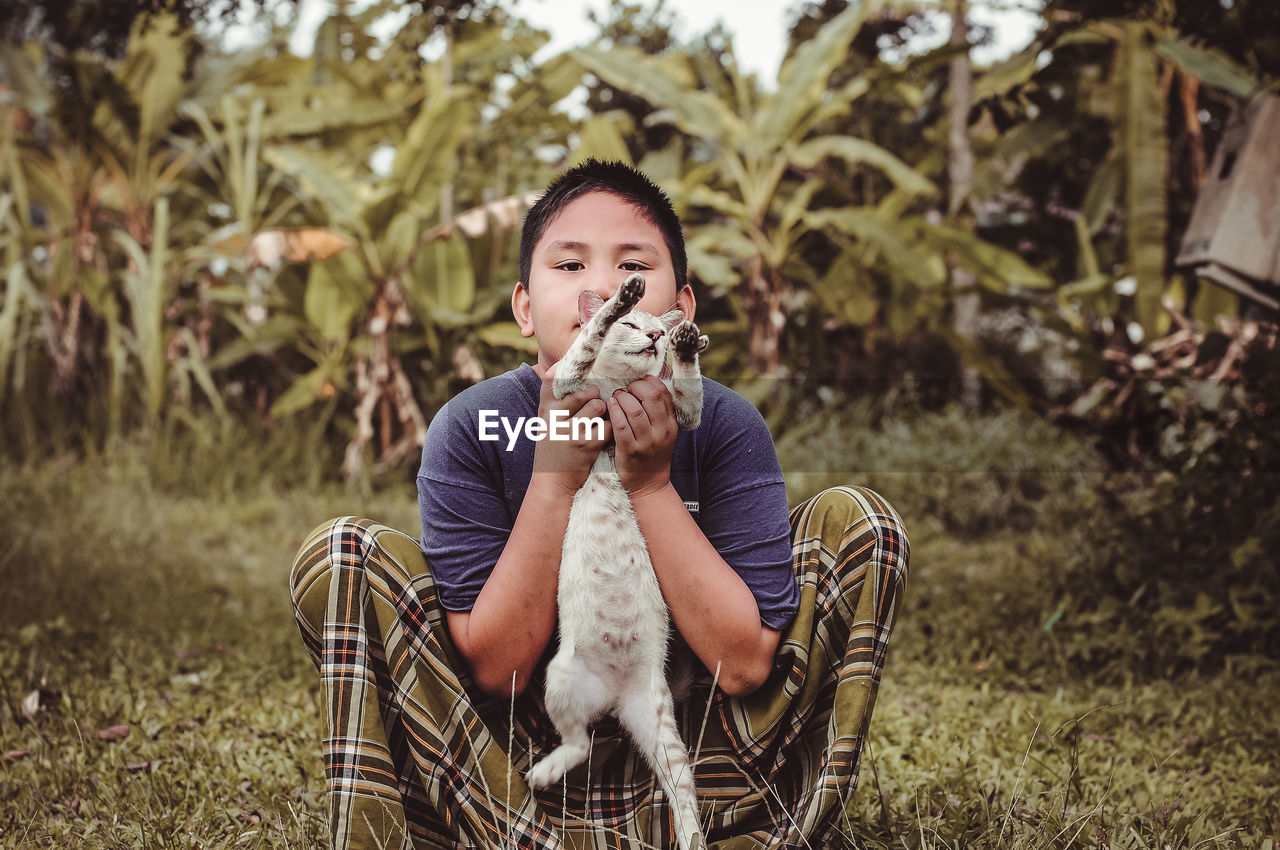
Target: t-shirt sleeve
<point>465,519</point>
<point>743,510</point>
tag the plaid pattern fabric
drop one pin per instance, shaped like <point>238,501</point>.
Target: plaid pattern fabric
<point>416,757</point>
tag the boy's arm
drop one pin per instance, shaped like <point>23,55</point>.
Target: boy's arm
<point>712,607</point>
<point>507,630</point>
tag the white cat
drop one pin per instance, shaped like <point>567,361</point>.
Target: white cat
<point>613,621</point>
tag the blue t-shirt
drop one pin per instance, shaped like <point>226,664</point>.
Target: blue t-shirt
<point>726,471</point>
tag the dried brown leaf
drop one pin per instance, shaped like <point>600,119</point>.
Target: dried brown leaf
<point>114,733</point>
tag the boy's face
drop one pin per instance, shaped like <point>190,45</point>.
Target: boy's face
<point>597,242</point>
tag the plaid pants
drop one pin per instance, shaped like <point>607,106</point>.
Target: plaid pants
<point>417,757</point>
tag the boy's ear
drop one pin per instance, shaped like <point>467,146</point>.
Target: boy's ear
<point>588,303</point>
<point>521,311</point>
<point>685,302</point>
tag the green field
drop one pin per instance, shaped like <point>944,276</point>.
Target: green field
<point>147,611</point>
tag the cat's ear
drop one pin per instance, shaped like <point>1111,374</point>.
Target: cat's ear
<point>670,319</point>
<point>588,303</point>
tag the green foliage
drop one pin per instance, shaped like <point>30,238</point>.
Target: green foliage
<point>1139,574</point>
<point>950,471</point>
<point>1176,567</point>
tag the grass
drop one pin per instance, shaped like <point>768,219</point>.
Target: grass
<point>174,706</point>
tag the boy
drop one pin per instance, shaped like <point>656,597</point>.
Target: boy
<point>431,672</point>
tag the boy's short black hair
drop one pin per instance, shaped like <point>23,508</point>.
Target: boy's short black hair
<point>616,178</point>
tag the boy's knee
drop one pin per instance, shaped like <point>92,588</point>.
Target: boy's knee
<point>309,579</point>
<point>858,517</point>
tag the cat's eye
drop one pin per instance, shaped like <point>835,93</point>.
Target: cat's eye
<point>630,325</point>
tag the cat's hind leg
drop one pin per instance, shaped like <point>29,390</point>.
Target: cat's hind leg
<point>574,697</point>
<point>648,715</point>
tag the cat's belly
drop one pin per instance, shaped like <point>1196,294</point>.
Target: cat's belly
<point>610,606</point>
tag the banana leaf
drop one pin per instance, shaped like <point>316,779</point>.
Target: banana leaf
<point>861,152</point>
<point>695,112</point>
<point>600,136</point>
<point>338,290</point>
<point>507,335</point>
<point>898,243</point>
<point>995,268</point>
<point>802,79</point>
<point>1211,67</point>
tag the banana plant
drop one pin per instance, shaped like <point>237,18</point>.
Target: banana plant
<point>89,182</point>
<point>406,268</point>
<point>1131,94</point>
<point>763,146</point>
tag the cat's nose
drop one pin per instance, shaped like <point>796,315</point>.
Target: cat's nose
<point>654,335</point>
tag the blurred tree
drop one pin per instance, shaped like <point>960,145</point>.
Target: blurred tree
<point>965,305</point>
<point>103,26</point>
<point>648,30</point>
<point>747,146</point>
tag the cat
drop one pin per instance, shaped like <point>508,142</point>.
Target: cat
<point>613,623</point>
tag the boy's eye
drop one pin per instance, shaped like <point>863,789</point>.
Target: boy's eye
<point>571,266</point>
<point>632,266</point>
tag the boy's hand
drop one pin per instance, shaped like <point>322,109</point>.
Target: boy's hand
<point>567,463</point>
<point>644,425</point>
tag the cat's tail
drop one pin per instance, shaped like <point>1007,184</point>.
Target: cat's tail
<point>650,719</point>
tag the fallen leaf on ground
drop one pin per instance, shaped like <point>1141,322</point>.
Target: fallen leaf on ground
<point>114,733</point>
<point>14,755</point>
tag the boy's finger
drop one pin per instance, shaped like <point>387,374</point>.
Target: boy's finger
<point>594,407</point>
<point>574,402</point>
<point>647,388</point>
<point>630,405</point>
<point>618,417</point>
<point>655,397</point>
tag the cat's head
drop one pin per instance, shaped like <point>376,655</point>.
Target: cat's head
<point>635,345</point>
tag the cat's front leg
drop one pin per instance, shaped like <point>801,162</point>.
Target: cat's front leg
<point>686,376</point>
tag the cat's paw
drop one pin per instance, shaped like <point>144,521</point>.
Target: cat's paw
<point>630,293</point>
<point>686,342</point>
<point>544,774</point>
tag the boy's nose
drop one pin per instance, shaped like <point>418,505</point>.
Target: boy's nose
<point>605,286</point>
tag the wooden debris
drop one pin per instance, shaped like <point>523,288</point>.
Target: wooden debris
<point>1180,354</point>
